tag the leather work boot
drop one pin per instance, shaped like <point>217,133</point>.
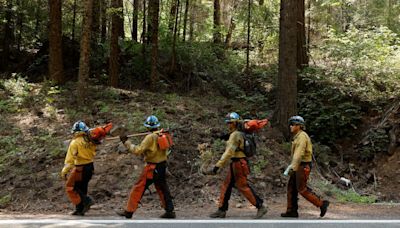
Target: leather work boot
<point>290,214</point>
<point>324,207</point>
<point>261,212</point>
<point>168,214</point>
<point>124,213</point>
<point>218,214</point>
<point>87,204</point>
<point>79,213</point>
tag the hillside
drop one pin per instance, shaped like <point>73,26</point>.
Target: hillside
<point>37,119</point>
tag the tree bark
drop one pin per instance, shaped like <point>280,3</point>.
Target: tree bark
<point>144,31</point>
<point>172,15</point>
<point>192,20</point>
<point>7,39</point>
<point>217,22</point>
<point>248,37</point>
<point>84,61</point>
<point>115,50</point>
<point>154,7</point>
<point>232,26</point>
<point>302,57</point>
<point>287,70</point>
<point>20,16</point>
<point>185,20</point>
<point>95,22</point>
<point>135,20</point>
<point>56,73</point>
<point>173,58</point>
<point>73,21</point>
<point>104,7</point>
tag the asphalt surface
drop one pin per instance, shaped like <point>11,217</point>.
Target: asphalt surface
<point>156,223</point>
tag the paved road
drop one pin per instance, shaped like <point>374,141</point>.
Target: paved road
<point>52,223</point>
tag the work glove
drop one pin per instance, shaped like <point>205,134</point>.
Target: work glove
<point>123,138</point>
<point>211,171</point>
<point>65,171</point>
<point>288,170</point>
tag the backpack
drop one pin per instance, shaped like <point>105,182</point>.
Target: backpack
<point>164,140</point>
<point>248,129</point>
<point>249,144</point>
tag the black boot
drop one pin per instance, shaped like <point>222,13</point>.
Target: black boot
<point>124,213</point>
<point>218,214</point>
<point>168,214</point>
<point>79,210</point>
<point>290,214</point>
<point>88,202</point>
<point>324,207</point>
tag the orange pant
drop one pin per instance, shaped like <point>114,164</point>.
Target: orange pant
<point>77,183</point>
<point>298,184</point>
<point>152,173</point>
<point>237,176</point>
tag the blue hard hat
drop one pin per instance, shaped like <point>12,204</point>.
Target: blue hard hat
<point>232,117</point>
<point>296,120</point>
<point>79,126</point>
<point>151,122</point>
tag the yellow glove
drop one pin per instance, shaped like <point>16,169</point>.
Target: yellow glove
<point>65,171</point>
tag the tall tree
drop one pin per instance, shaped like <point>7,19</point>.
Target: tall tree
<point>144,30</point>
<point>19,23</point>
<point>73,20</point>
<point>173,57</point>
<point>185,19</point>
<point>154,7</point>
<point>7,38</point>
<point>217,22</point>
<point>95,22</point>
<point>172,16</point>
<point>84,66</point>
<point>104,7</point>
<point>121,21</point>
<point>248,37</point>
<point>302,57</point>
<point>115,51</point>
<point>135,20</point>
<point>192,19</point>
<point>55,43</point>
<point>287,70</point>
<point>232,26</point>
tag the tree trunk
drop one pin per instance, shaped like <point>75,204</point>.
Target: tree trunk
<point>232,26</point>
<point>154,7</point>
<point>37,18</point>
<point>115,51</point>
<point>19,24</point>
<point>135,20</point>
<point>7,39</point>
<point>104,7</point>
<point>217,22</point>
<point>173,58</point>
<point>192,20</point>
<point>309,28</point>
<point>302,57</point>
<point>95,22</point>
<point>172,15</point>
<point>179,14</point>
<point>287,70</point>
<point>56,73</point>
<point>73,21</point>
<point>248,37</point>
<point>185,20</point>
<point>144,31</point>
<point>84,66</point>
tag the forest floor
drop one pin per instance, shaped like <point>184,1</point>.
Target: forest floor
<point>41,123</point>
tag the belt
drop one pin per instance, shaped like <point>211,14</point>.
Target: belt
<point>237,159</point>
<point>306,163</point>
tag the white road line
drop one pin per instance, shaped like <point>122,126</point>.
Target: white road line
<point>158,221</point>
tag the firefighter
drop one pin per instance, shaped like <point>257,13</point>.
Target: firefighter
<point>238,171</point>
<point>299,170</point>
<point>79,159</point>
<point>153,172</point>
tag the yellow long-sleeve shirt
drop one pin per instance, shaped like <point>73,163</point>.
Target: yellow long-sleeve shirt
<point>301,149</point>
<point>149,148</point>
<point>80,151</point>
<point>234,149</point>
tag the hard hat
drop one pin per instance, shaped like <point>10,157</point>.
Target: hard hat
<point>296,120</point>
<point>232,117</point>
<point>79,126</point>
<point>151,122</point>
